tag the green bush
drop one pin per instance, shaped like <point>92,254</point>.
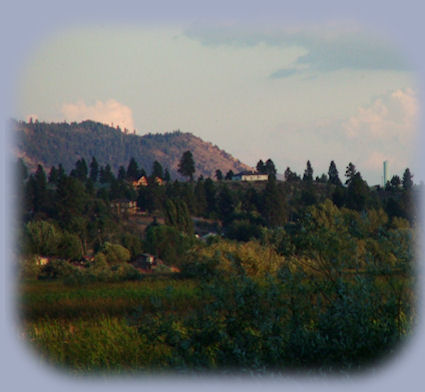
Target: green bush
<point>125,272</point>
<point>115,253</point>
<point>292,321</point>
<point>29,268</point>
<point>56,269</point>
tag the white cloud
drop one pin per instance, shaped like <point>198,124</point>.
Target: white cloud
<point>390,118</point>
<point>385,130</point>
<point>109,112</point>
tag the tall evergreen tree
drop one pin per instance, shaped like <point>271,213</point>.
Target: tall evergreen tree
<point>270,168</point>
<point>133,170</point>
<point>290,175</point>
<point>225,203</point>
<point>350,172</point>
<point>94,169</point>
<point>395,182</point>
<point>229,175</point>
<point>121,173</point>
<point>273,204</point>
<point>80,170</point>
<point>357,193</point>
<point>407,181</point>
<point>261,167</point>
<point>200,197</point>
<point>40,194</point>
<point>53,175</point>
<point>210,195</point>
<point>157,170</point>
<point>167,177</point>
<point>218,175</point>
<point>308,173</point>
<point>333,176</point>
<point>106,175</point>
<point>186,165</point>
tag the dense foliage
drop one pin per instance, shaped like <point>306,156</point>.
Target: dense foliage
<point>295,274</point>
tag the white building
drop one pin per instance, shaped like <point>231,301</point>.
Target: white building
<point>250,176</point>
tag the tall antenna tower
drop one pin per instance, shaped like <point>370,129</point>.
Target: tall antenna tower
<point>385,174</point>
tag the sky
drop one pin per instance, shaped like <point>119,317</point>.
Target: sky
<point>294,93</point>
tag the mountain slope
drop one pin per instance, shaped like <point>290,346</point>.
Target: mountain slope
<point>49,144</point>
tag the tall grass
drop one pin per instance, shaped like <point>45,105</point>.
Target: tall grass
<point>102,344</point>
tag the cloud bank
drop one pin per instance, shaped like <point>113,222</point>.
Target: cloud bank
<point>327,48</point>
<point>110,112</point>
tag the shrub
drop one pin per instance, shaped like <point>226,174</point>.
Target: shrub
<point>115,253</point>
<point>230,257</point>
<point>29,268</point>
<point>126,271</point>
<point>56,269</point>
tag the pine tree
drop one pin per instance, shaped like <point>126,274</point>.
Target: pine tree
<point>53,175</point>
<point>273,204</point>
<point>186,165</point>
<point>106,175</point>
<point>218,175</point>
<point>94,170</point>
<point>261,168</point>
<point>290,175</point>
<point>407,180</point>
<point>270,168</point>
<point>308,173</point>
<point>333,175</point>
<point>133,173</point>
<point>229,175</point>
<point>350,172</point>
<point>395,182</point>
<point>80,170</point>
<point>225,203</point>
<point>121,173</point>
<point>357,193</point>
<point>157,170</point>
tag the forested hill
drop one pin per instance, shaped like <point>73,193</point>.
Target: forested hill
<point>49,144</point>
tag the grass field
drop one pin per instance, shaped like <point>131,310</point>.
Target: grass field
<point>170,324</point>
<point>88,329</point>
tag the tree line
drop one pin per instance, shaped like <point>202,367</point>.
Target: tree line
<point>79,202</point>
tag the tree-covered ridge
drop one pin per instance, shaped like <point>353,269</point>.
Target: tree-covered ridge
<point>88,201</point>
<point>49,144</point>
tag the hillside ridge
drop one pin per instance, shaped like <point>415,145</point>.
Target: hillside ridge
<point>52,143</point>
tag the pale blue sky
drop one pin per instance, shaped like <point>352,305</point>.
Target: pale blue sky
<point>328,92</point>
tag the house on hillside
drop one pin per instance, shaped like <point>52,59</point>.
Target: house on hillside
<point>250,176</point>
<point>159,181</point>
<point>145,261</point>
<point>142,181</point>
<point>124,207</point>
